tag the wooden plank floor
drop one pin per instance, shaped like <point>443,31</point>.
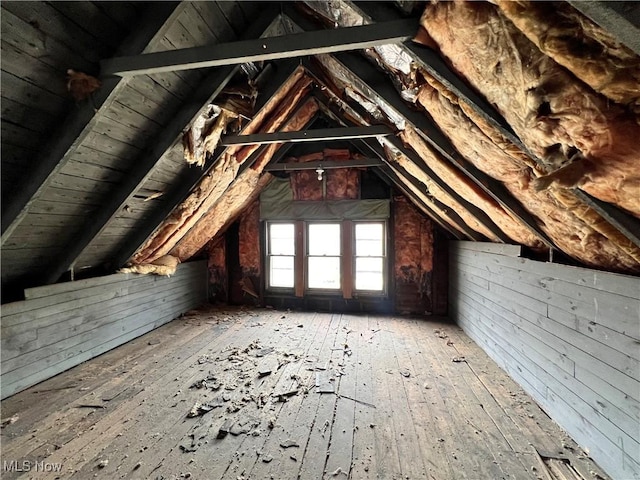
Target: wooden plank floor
<point>402,399</point>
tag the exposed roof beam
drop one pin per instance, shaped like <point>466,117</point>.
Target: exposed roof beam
<point>318,135</point>
<point>286,46</point>
<point>143,167</point>
<point>429,210</point>
<point>324,164</point>
<point>480,216</point>
<point>435,206</point>
<point>620,19</point>
<point>434,64</point>
<point>190,179</point>
<point>626,224</point>
<point>380,85</point>
<point>55,154</point>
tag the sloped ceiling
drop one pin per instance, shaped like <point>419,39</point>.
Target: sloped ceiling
<point>513,122</point>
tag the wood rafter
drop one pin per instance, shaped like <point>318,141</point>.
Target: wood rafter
<point>286,46</point>
<point>208,90</point>
<point>63,145</point>
<point>317,135</point>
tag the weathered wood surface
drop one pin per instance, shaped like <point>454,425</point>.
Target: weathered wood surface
<point>395,406</point>
<point>568,335</point>
<point>62,325</point>
<point>40,42</point>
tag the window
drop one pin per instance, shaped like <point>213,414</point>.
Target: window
<point>281,254</point>
<point>327,257</point>
<point>369,256</point>
<point>323,256</point>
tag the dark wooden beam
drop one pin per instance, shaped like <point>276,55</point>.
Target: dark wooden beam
<point>434,64</point>
<point>480,216</point>
<point>436,205</point>
<point>379,85</point>
<point>263,49</point>
<point>324,164</point>
<point>369,146</point>
<point>318,135</point>
<point>55,154</point>
<point>428,210</point>
<point>190,179</point>
<point>143,167</point>
<point>620,19</point>
<point>626,224</point>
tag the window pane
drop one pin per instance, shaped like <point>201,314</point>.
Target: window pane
<point>281,272</point>
<point>324,272</point>
<point>324,239</point>
<point>369,274</point>
<point>281,239</point>
<point>369,239</point>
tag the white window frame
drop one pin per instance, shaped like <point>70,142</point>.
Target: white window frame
<point>384,255</point>
<point>270,255</point>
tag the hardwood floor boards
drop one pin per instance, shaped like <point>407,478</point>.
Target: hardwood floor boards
<point>403,398</point>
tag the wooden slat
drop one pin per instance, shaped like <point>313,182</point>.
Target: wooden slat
<point>96,328</point>
<point>80,124</point>
<point>547,326</point>
<point>509,250</point>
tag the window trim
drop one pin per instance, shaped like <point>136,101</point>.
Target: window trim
<point>268,255</point>
<point>316,290</point>
<point>385,259</point>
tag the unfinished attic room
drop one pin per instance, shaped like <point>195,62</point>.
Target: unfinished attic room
<point>320,240</point>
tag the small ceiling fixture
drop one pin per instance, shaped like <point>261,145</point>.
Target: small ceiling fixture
<point>319,171</point>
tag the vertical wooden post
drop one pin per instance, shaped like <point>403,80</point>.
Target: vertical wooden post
<point>299,282</point>
<point>347,259</point>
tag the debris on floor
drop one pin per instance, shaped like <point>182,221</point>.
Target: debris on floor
<point>289,443</point>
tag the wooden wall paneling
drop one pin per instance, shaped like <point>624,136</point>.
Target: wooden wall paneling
<point>35,119</point>
<point>92,20</point>
<point>607,453</point>
<point>234,15</point>
<point>211,14</point>
<point>55,25</point>
<point>594,304</point>
<point>27,36</point>
<point>616,283</point>
<point>74,325</point>
<point>51,339</point>
<point>31,95</point>
<point>123,13</point>
<point>33,71</point>
<point>547,324</point>
<point>614,367</point>
<point>486,247</point>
